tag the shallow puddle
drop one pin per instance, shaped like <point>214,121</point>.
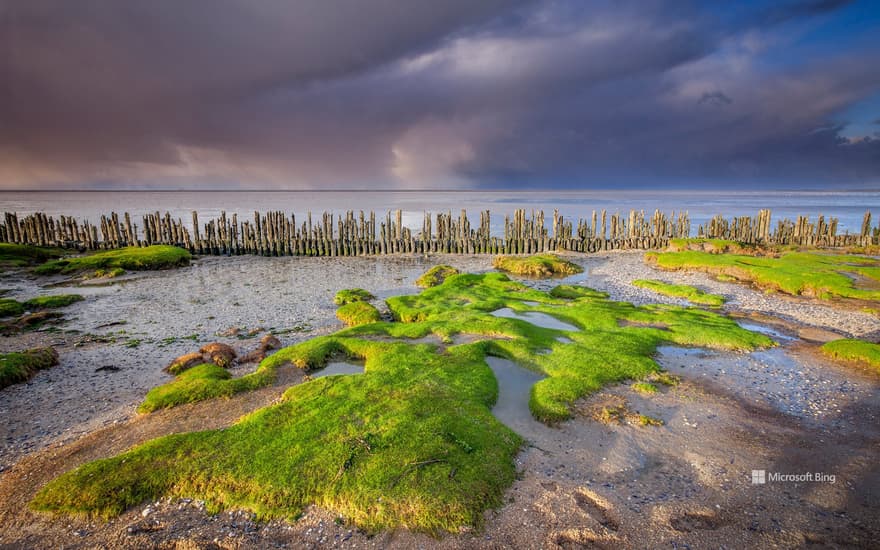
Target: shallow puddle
<point>767,331</point>
<point>512,407</point>
<point>339,367</point>
<point>536,318</point>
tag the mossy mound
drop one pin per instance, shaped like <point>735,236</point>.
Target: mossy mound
<point>411,442</point>
<point>824,276</point>
<point>539,265</point>
<point>132,258</point>
<point>715,246</point>
<point>573,292</point>
<point>864,353</point>
<point>435,276</point>
<point>689,293</point>
<point>351,295</point>
<point>10,307</point>
<point>358,313</point>
<point>21,366</point>
<point>52,302</point>
<point>20,255</point>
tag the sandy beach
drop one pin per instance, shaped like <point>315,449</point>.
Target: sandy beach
<point>582,484</point>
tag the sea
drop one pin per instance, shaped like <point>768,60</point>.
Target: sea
<point>847,206</point>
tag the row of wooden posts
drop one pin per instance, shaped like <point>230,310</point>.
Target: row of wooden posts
<point>278,234</point>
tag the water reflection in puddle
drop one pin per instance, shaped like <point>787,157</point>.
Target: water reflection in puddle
<point>514,386</point>
<point>536,318</point>
<point>339,367</point>
<point>767,331</point>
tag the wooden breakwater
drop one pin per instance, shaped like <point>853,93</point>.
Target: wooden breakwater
<point>279,234</point>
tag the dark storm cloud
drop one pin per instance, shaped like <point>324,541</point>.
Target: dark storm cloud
<point>417,93</point>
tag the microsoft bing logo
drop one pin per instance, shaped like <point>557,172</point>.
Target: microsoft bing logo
<point>759,477</point>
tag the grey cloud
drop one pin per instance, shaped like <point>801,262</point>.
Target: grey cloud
<point>411,93</point>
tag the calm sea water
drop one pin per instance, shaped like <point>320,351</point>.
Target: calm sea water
<point>848,207</point>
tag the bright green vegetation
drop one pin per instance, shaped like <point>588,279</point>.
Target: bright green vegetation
<point>132,258</point>
<point>857,351</point>
<point>21,366</point>
<point>825,276</point>
<point>52,302</point>
<point>10,307</point>
<point>205,381</point>
<point>573,292</point>
<point>539,265</point>
<point>645,388</point>
<point>351,295</point>
<point>20,255</point>
<point>358,313</point>
<point>435,276</point>
<point>690,293</point>
<point>411,442</point>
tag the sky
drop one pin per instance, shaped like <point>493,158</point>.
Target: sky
<point>421,94</point>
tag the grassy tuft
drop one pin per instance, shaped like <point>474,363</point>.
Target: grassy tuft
<point>858,351</point>
<point>824,276</point>
<point>690,293</point>
<point>435,276</point>
<point>21,366</point>
<point>663,377</point>
<point>539,265</point>
<point>645,388</point>
<point>358,313</point>
<point>132,258</point>
<point>645,420</point>
<point>351,295</point>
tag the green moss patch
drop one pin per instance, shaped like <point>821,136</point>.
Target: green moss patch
<point>645,388</point>
<point>21,366</point>
<point>358,313</point>
<point>132,258</point>
<point>539,265</point>
<point>10,307</point>
<point>858,351</point>
<point>351,295</point>
<point>825,276</point>
<point>690,293</point>
<point>411,442</point>
<point>714,246</point>
<point>435,276</point>
<point>52,302</point>
<point>19,255</point>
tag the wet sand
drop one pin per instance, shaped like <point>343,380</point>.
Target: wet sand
<point>582,484</point>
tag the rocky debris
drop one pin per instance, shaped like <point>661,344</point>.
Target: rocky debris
<point>218,353</point>
<point>27,321</point>
<point>184,362</point>
<point>267,344</point>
